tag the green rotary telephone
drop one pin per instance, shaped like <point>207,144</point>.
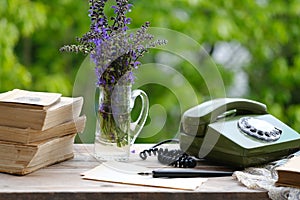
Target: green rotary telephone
<point>237,132</point>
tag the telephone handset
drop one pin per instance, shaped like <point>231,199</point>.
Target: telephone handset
<point>198,117</point>
<point>210,110</point>
<point>236,131</point>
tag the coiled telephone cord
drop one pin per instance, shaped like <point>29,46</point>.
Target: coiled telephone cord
<point>174,157</point>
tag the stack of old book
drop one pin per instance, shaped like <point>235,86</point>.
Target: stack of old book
<point>37,129</point>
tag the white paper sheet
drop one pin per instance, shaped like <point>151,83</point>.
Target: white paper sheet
<point>126,173</point>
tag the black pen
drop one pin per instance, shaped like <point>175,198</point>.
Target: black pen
<point>185,173</point>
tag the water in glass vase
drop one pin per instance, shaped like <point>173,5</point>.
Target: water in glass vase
<point>112,140</point>
<point>105,151</point>
<point>113,123</point>
<point>114,130</point>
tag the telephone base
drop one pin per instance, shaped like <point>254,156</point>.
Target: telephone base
<point>230,154</point>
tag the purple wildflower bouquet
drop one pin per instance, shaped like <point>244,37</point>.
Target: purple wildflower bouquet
<point>115,51</point>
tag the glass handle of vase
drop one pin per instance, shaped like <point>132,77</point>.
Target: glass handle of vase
<point>136,126</point>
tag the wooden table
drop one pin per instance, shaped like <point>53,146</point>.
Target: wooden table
<point>63,181</point>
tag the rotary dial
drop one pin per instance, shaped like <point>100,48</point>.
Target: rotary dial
<point>259,129</point>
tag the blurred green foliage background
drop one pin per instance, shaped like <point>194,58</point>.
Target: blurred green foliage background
<point>254,43</point>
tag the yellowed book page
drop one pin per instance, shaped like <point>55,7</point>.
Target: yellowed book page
<point>67,109</point>
<point>292,165</point>
<point>28,135</point>
<point>52,151</point>
<point>18,96</point>
<point>23,159</point>
<point>67,101</point>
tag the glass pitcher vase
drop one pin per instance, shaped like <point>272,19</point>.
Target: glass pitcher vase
<point>115,131</point>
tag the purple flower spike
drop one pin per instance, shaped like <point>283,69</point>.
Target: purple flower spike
<point>127,21</point>
<point>136,64</point>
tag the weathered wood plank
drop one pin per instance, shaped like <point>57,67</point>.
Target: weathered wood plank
<point>63,181</point>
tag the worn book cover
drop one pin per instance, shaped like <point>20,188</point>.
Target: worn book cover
<point>289,173</point>
<point>27,135</point>
<point>29,99</point>
<point>66,109</point>
<point>21,159</point>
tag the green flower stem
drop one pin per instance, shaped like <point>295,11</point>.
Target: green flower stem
<point>114,125</point>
